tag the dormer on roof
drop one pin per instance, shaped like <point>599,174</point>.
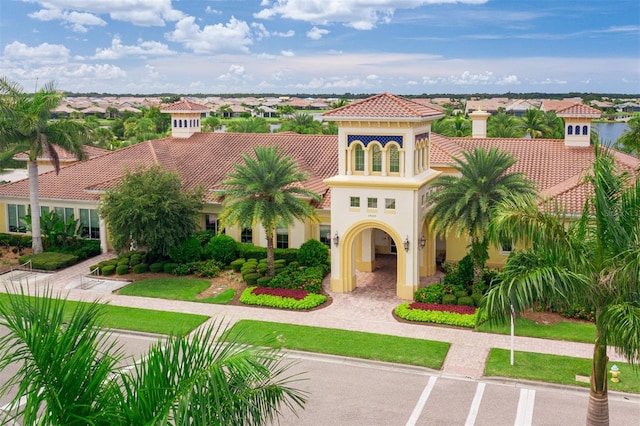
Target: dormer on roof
<point>185,117</point>
<point>577,124</point>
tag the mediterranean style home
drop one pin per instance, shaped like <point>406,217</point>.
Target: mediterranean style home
<point>374,178</point>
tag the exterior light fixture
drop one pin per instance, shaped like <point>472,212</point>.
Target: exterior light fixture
<point>422,242</point>
<point>406,243</point>
<point>336,239</point>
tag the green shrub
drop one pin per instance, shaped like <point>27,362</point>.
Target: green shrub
<point>288,254</point>
<point>437,317</point>
<point>49,261</point>
<point>465,301</point>
<point>465,271</point>
<point>262,268</point>
<point>313,253</point>
<point>204,237</point>
<point>279,262</point>
<point>264,260</point>
<point>108,270</point>
<point>249,251</point>
<point>189,250</point>
<point>209,269</point>
<point>460,293</point>
<point>263,281</point>
<point>222,248</point>
<point>123,262</point>
<point>254,260</point>
<point>141,268</point>
<point>429,294</point>
<point>309,302</point>
<point>92,267</point>
<point>309,279</point>
<point>252,279</point>
<point>236,265</point>
<point>136,259</point>
<point>477,298</point>
<point>122,269</point>
<point>449,299</point>
<point>156,267</point>
<point>169,267</point>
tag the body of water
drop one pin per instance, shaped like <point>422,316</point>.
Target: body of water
<point>609,133</point>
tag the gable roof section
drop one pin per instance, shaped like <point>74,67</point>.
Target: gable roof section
<point>384,105</point>
<point>579,110</point>
<point>184,106</point>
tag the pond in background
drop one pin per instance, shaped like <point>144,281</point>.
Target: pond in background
<point>609,133</point>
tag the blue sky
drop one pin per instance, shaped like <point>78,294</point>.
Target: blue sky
<point>322,46</point>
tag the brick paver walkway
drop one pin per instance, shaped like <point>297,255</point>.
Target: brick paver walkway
<point>368,308</point>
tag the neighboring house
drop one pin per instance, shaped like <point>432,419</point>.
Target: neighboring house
<point>374,179</point>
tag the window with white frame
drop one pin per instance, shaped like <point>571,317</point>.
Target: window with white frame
<point>325,234</point>
<point>394,159</point>
<point>372,203</point>
<point>64,213</point>
<point>506,245</point>
<point>246,236</point>
<point>358,158</point>
<point>354,202</point>
<point>376,158</point>
<point>282,236</point>
<point>390,203</point>
<point>89,224</point>
<point>17,214</point>
<point>211,223</point>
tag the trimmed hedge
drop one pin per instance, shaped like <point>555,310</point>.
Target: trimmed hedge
<point>156,267</point>
<point>108,270</point>
<point>122,269</point>
<point>169,267</point>
<point>236,265</point>
<point>140,268</point>
<point>222,248</point>
<point>49,260</point>
<point>311,301</point>
<point>438,317</point>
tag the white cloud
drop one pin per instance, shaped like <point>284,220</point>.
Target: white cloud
<point>143,48</point>
<point>287,53</point>
<point>352,13</point>
<point>316,33</point>
<point>77,21</point>
<point>137,12</point>
<point>235,36</point>
<point>45,53</point>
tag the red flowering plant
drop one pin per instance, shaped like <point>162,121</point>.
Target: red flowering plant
<point>296,294</point>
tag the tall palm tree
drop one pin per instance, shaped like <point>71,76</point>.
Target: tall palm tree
<point>630,139</point>
<point>554,125</point>
<point>266,190</point>
<point>26,119</point>
<point>460,126</point>
<point>591,261</point>
<point>302,123</point>
<point>70,372</point>
<point>464,203</point>
<point>532,123</point>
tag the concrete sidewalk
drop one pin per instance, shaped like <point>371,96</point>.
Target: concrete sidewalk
<point>354,311</point>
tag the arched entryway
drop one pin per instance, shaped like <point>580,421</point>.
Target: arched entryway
<point>357,252</point>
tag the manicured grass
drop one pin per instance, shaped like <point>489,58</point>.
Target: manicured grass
<point>555,369</point>
<point>144,320</point>
<point>372,346</point>
<point>176,289</point>
<point>571,331</point>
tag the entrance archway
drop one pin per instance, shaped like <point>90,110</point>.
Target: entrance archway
<point>347,256</point>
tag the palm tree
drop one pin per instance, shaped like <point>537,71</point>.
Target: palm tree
<point>630,139</point>
<point>593,260</point>
<point>266,190</point>
<point>68,371</point>
<point>249,125</point>
<point>464,203</point>
<point>532,123</point>
<point>26,119</point>
<point>554,125</point>
<point>460,126</point>
<point>302,123</point>
<point>502,125</point>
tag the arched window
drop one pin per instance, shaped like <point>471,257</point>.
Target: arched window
<point>376,158</point>
<point>570,130</point>
<point>358,158</point>
<point>179,123</point>
<point>394,159</point>
<point>175,123</point>
<point>577,130</point>
<point>585,130</point>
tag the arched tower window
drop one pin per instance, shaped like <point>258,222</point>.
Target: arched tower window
<point>358,158</point>
<point>577,130</point>
<point>376,158</point>
<point>570,130</point>
<point>585,130</point>
<point>394,159</point>
<point>175,123</point>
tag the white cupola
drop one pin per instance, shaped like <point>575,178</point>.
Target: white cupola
<point>577,124</point>
<point>185,117</point>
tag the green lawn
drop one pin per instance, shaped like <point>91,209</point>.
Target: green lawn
<point>555,369</point>
<point>175,288</point>
<point>571,331</point>
<point>372,346</point>
<point>145,320</point>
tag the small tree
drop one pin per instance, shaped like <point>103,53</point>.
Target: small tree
<point>151,209</point>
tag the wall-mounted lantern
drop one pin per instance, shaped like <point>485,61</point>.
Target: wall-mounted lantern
<point>406,243</point>
<point>422,242</point>
<point>336,239</point>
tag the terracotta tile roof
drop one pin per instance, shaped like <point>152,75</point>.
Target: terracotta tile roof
<point>556,104</point>
<point>558,171</point>
<point>204,158</point>
<point>384,105</point>
<point>184,106</point>
<point>63,155</point>
<point>579,110</point>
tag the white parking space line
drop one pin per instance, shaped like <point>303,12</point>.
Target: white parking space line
<point>524,416</point>
<point>475,405</point>
<point>417,410</point>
